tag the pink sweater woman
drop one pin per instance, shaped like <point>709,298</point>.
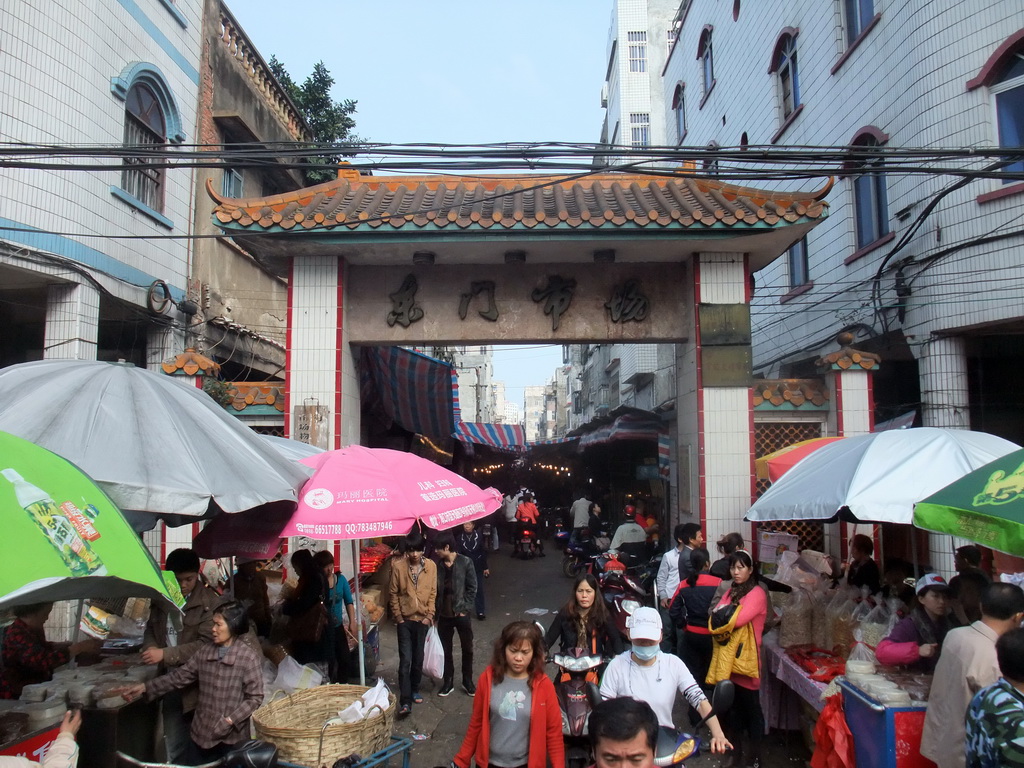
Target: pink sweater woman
<point>746,713</point>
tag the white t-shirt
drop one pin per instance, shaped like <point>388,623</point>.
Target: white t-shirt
<point>656,684</point>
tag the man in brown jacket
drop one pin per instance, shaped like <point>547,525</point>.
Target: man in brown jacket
<point>171,639</point>
<point>412,593</point>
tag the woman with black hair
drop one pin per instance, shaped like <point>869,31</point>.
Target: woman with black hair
<point>230,677</point>
<point>728,544</point>
<point>744,604</point>
<point>584,621</point>
<point>516,720</point>
<point>690,609</point>
<point>311,641</point>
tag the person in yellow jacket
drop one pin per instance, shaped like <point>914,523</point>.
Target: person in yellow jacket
<point>412,593</point>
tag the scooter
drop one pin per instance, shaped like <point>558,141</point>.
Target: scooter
<point>526,546</point>
<point>676,747</point>
<point>622,595</point>
<point>581,555</point>
<point>248,754</point>
<point>576,686</point>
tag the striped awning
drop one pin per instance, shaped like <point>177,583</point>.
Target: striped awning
<point>412,389</point>
<point>505,436</point>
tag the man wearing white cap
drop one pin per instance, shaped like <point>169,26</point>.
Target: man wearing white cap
<point>646,674</point>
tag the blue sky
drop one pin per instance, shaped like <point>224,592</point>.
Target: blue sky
<point>454,72</point>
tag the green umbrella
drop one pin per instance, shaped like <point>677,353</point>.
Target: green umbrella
<point>63,538</point>
<point>985,506</point>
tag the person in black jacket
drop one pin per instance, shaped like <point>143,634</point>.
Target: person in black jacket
<point>310,591</point>
<point>690,608</point>
<point>584,622</point>
<point>456,594</point>
<point>728,544</point>
<point>470,542</point>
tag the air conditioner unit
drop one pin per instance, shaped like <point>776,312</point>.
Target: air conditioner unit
<point>604,95</point>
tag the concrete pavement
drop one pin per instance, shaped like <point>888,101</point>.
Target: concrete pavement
<point>514,587</point>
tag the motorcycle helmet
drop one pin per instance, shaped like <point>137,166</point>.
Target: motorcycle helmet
<point>629,511</point>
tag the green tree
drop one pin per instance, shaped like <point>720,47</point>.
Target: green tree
<point>331,121</point>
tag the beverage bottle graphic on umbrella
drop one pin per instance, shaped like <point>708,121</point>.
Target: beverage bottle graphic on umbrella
<point>74,549</point>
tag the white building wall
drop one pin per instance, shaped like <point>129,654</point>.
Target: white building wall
<point>907,78</point>
<point>56,65</point>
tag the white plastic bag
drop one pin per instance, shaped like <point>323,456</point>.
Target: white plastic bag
<point>433,655</point>
<point>291,677</point>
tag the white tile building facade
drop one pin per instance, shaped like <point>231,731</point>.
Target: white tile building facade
<point>79,249</point>
<point>943,310</point>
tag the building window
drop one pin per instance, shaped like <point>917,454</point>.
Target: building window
<point>704,53</point>
<point>144,129</point>
<point>799,272</point>
<point>232,183</point>
<point>858,14</point>
<point>640,129</point>
<point>784,65</point>
<point>679,111</point>
<point>1009,96</point>
<point>870,200</point>
<point>637,51</point>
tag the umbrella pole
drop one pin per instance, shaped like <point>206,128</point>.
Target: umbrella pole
<point>75,630</point>
<point>913,549</point>
<point>359,614</point>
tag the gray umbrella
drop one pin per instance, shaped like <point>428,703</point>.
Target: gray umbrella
<point>159,448</point>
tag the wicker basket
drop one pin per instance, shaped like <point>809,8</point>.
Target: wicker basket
<point>297,724</point>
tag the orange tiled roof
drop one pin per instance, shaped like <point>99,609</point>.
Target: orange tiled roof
<point>352,201</point>
<point>190,363</point>
<point>847,357</point>
<point>796,392</point>
<point>245,393</point>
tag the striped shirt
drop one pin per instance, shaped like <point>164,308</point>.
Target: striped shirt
<point>229,687</point>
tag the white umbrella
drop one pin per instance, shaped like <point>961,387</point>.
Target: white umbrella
<point>293,450</point>
<point>158,447</point>
<point>876,478</point>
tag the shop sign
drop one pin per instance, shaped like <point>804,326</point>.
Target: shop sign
<point>726,366</point>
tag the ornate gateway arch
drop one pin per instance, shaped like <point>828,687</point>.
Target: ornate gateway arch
<point>409,260</point>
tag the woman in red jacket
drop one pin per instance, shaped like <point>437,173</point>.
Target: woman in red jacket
<point>515,721</point>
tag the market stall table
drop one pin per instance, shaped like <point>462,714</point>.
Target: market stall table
<point>784,685</point>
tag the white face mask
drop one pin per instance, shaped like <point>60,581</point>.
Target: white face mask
<point>645,652</point>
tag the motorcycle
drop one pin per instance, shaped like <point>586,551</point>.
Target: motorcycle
<point>622,595</point>
<point>576,686</point>
<point>248,754</point>
<point>581,555</point>
<point>526,546</point>
<point>676,747</point>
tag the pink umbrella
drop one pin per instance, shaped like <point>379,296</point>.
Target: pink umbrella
<point>358,493</point>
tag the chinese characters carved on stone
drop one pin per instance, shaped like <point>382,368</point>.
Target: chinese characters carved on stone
<point>557,296</point>
<point>485,287</point>
<point>405,311</point>
<point>628,303</point>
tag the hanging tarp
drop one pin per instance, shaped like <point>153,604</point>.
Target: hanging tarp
<point>628,426</point>
<point>410,388</point>
<point>503,436</point>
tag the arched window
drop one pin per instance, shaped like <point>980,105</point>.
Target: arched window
<point>679,111</point>
<point>144,129</point>
<point>870,199</point>
<point>1003,73</point>
<point>151,122</point>
<point>784,65</point>
<point>707,59</point>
